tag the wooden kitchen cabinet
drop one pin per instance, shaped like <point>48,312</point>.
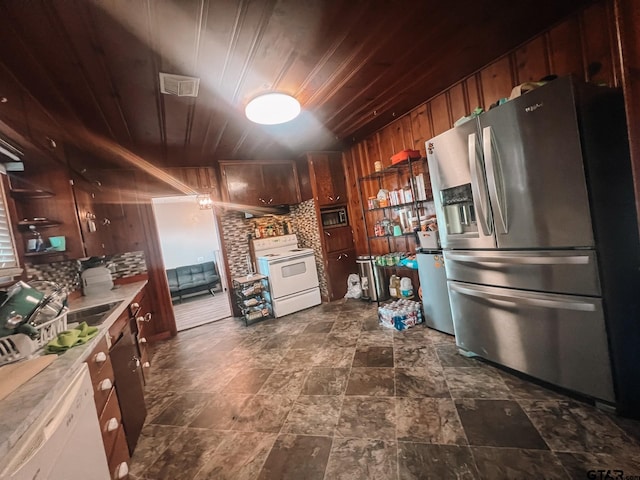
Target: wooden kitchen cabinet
<point>127,371</point>
<point>327,178</point>
<point>337,239</point>
<point>339,258</point>
<point>109,213</point>
<point>260,183</point>
<point>322,179</point>
<point>89,217</point>
<point>338,266</point>
<point>108,405</point>
<point>44,198</point>
<point>116,373</point>
<point>141,315</point>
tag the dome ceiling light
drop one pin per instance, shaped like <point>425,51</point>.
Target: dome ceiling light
<point>272,109</point>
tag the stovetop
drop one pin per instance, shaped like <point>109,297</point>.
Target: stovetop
<point>290,253</point>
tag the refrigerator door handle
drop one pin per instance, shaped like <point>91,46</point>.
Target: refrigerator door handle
<point>520,300</point>
<point>521,260</point>
<point>478,189</point>
<point>494,173</point>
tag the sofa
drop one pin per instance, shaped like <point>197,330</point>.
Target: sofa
<point>192,279</point>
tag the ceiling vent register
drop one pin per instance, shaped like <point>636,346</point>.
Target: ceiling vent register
<point>179,85</point>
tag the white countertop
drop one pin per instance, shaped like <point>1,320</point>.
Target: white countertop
<point>24,406</point>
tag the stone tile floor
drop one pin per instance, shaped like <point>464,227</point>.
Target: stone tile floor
<point>329,394</point>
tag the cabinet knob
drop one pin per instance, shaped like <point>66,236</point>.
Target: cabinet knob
<point>100,357</point>
<point>262,200</point>
<point>147,317</point>
<point>121,471</point>
<point>328,234</point>
<point>112,424</point>
<point>106,221</point>
<point>136,362</point>
<point>105,385</point>
<point>346,255</point>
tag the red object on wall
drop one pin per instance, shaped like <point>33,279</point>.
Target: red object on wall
<point>404,155</point>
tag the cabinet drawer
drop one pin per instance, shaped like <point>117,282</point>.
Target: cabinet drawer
<point>144,355</point>
<point>116,329</point>
<point>137,307</point>
<point>102,385</point>
<point>119,459</point>
<point>97,359</point>
<point>110,422</point>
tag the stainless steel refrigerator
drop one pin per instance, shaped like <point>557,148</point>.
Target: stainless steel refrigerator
<point>536,211</point>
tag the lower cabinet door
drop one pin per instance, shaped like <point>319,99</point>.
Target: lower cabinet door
<point>339,266</point>
<point>127,369</point>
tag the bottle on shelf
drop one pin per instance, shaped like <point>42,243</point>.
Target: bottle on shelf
<point>34,242</point>
<point>394,286</point>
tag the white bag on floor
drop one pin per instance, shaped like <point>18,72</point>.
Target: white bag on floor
<point>353,286</point>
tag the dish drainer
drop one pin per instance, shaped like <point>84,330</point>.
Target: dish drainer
<point>19,346</point>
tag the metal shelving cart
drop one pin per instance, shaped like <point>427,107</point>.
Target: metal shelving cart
<point>251,295</point>
<point>392,226</point>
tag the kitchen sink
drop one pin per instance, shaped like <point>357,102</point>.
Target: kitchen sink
<point>94,316</point>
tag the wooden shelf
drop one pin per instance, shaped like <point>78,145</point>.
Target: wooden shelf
<point>45,253</point>
<point>25,194</point>
<point>25,224</point>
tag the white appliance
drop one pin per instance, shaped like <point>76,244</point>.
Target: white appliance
<point>96,280</point>
<point>65,442</point>
<point>293,277</point>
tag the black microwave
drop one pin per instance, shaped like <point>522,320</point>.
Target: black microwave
<point>334,217</point>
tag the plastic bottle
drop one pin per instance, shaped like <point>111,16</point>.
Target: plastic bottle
<point>406,287</point>
<point>394,286</point>
<point>35,242</point>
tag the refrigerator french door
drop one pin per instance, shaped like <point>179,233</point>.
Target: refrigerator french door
<point>515,222</point>
<point>514,177</point>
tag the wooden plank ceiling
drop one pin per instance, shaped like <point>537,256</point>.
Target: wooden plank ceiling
<point>354,66</point>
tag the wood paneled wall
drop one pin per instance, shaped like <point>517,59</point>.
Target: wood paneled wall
<point>628,21</point>
<point>584,45</point>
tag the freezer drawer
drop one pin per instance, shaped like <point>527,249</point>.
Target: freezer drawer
<point>560,339</point>
<point>573,272</point>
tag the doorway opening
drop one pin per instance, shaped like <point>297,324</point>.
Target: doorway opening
<point>190,244</point>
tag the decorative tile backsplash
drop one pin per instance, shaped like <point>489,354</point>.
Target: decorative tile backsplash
<point>238,230</point>
<point>66,273</point>
<point>306,226</point>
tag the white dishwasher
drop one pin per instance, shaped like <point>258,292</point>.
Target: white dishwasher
<point>65,442</point>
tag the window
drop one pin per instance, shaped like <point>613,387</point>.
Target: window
<point>9,267</point>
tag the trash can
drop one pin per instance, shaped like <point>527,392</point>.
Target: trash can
<point>371,279</point>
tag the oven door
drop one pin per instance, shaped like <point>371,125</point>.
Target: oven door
<point>292,275</point>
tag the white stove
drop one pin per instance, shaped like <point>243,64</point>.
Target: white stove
<point>293,277</point>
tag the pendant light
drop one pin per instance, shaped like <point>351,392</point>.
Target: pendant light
<point>272,109</point>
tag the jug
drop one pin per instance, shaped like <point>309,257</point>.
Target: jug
<point>406,287</point>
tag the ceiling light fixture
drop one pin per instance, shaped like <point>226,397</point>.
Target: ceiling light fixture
<point>272,109</point>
